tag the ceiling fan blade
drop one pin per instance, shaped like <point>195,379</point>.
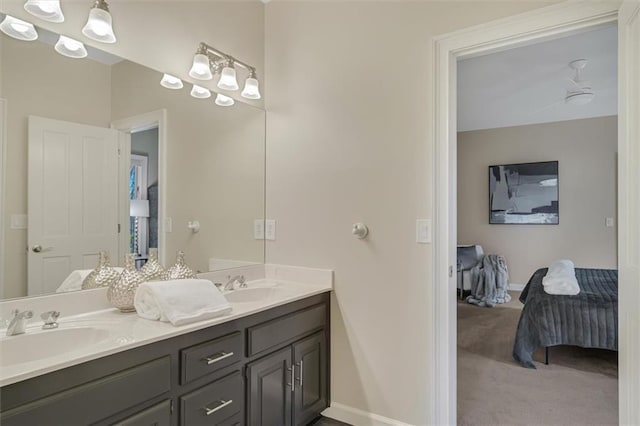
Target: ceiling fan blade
<point>558,102</point>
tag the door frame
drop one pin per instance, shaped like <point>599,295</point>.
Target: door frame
<point>518,30</point>
<point>3,168</point>
<point>128,125</point>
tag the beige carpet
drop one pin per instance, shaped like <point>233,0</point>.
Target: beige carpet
<point>579,387</point>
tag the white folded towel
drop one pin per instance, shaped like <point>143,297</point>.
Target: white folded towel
<point>75,279</point>
<point>561,279</point>
<point>180,301</point>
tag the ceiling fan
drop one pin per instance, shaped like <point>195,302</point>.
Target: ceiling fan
<point>580,92</point>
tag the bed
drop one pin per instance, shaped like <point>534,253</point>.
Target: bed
<point>588,319</point>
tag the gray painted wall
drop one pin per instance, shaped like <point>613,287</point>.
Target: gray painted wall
<point>586,151</point>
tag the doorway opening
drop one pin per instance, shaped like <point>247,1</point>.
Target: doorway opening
<point>536,184</point>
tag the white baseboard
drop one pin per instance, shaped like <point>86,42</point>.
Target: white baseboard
<point>358,417</point>
<point>516,286</point>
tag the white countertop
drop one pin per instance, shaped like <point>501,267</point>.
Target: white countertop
<point>128,331</point>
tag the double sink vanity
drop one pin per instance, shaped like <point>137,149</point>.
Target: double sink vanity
<point>266,363</point>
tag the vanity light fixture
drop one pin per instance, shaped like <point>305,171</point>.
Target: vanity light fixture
<point>209,61</point>
<point>228,79</point>
<point>99,26</point>
<point>49,10</point>
<point>18,29</point>
<point>222,100</point>
<point>251,87</point>
<point>70,48</point>
<point>200,92</point>
<point>171,82</point>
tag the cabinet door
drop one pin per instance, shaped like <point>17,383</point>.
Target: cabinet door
<point>269,385</point>
<point>310,395</point>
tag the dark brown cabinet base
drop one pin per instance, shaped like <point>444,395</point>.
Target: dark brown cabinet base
<point>269,368</point>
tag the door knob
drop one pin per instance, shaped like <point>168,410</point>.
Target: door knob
<point>39,249</point>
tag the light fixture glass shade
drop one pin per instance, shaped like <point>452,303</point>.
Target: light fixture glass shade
<point>251,89</point>
<point>99,27</point>
<point>171,82</point>
<point>18,29</point>
<point>200,68</point>
<point>223,100</point>
<point>200,92</point>
<point>49,10</point>
<point>228,79</point>
<point>71,48</point>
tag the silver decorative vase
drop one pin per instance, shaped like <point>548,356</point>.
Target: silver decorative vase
<point>179,271</point>
<point>152,270</point>
<point>103,275</point>
<point>121,292</point>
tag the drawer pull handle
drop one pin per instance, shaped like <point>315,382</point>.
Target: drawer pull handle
<point>222,404</point>
<point>218,357</point>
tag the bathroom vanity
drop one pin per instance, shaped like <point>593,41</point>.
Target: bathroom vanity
<point>265,365</point>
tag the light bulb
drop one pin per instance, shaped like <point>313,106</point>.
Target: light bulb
<point>171,82</point>
<point>228,78</point>
<point>18,29</point>
<point>99,26</point>
<point>251,88</point>
<point>200,92</point>
<point>200,68</point>
<point>71,48</point>
<point>223,100</point>
<point>49,10</point>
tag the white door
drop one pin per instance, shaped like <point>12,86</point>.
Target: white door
<point>72,199</point>
<point>629,211</point>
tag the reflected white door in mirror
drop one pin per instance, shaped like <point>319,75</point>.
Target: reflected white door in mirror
<point>73,199</point>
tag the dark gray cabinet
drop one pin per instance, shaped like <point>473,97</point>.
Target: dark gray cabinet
<point>288,387</point>
<point>269,389</point>
<point>270,368</point>
<point>310,393</point>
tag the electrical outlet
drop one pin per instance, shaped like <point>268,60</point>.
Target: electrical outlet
<point>270,229</point>
<point>609,222</point>
<point>258,229</point>
<point>168,225</point>
<point>423,231</point>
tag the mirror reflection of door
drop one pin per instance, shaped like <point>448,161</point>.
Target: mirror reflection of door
<point>72,199</point>
<point>143,191</point>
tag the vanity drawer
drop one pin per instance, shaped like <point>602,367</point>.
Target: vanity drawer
<point>200,360</point>
<point>285,329</point>
<point>223,400</point>
<point>158,415</point>
<point>98,399</point>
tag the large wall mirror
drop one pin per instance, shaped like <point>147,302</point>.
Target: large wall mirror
<point>99,156</point>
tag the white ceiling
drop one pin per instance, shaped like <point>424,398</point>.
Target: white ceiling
<point>527,85</point>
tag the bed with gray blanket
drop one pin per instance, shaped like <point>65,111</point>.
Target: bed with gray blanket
<point>588,319</point>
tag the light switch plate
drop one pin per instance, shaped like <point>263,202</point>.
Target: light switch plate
<point>168,225</point>
<point>270,229</point>
<point>19,221</point>
<point>423,231</point>
<point>258,229</point>
<point>609,222</point>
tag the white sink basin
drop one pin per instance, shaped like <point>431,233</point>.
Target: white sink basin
<point>256,294</point>
<point>37,345</point>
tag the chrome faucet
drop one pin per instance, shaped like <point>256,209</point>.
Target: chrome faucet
<point>238,278</point>
<point>50,319</point>
<point>18,322</point>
